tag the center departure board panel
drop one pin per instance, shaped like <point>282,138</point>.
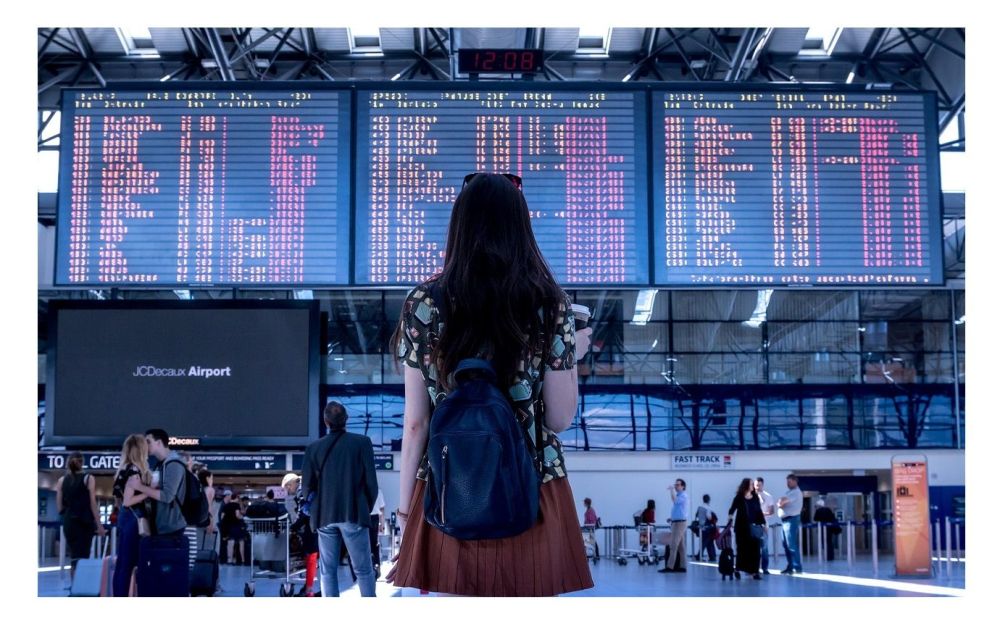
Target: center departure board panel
<point>795,188</point>
<point>581,154</point>
<point>210,185</point>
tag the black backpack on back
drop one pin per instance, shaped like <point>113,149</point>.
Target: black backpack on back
<point>483,481</point>
<point>191,498</point>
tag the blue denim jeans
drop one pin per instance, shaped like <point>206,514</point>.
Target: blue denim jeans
<point>765,560</point>
<point>790,540</point>
<point>128,551</point>
<point>355,537</point>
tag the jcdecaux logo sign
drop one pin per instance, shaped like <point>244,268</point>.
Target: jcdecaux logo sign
<point>194,371</point>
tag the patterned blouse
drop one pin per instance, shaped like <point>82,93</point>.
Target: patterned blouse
<point>422,327</point>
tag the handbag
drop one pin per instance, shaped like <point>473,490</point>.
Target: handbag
<point>756,530</point>
<point>144,528</point>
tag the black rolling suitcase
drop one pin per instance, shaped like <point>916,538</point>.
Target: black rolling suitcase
<point>163,566</point>
<point>205,573</point>
<point>727,559</point>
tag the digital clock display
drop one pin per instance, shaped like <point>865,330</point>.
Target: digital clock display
<point>500,60</point>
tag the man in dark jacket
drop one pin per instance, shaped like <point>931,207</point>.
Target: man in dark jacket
<point>340,469</point>
<point>828,522</point>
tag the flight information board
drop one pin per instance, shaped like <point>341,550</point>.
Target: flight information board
<point>795,188</point>
<point>210,185</point>
<point>581,155</point>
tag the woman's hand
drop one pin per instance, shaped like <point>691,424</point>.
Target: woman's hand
<point>582,342</point>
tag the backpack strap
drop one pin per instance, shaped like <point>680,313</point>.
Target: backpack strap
<point>329,450</point>
<point>437,294</point>
<point>177,496</point>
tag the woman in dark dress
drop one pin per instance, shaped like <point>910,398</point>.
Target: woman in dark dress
<point>746,507</point>
<point>77,501</point>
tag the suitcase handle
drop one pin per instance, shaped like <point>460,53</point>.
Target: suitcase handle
<point>204,538</point>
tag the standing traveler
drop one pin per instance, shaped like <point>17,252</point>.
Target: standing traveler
<point>230,518</point>
<point>827,520</point>
<point>590,519</point>
<point>749,528</point>
<point>708,525</point>
<point>77,500</point>
<point>210,532</point>
<point>495,301</point>
<point>679,514</point>
<point>790,511</point>
<point>340,469</point>
<point>133,515</point>
<point>298,510</point>
<point>769,507</point>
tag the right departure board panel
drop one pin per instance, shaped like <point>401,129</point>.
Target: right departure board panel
<point>581,153</point>
<point>795,188</point>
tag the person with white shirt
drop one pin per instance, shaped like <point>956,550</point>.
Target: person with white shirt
<point>769,507</point>
<point>679,515</point>
<point>790,511</point>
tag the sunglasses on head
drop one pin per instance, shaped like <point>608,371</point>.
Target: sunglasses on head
<point>514,179</point>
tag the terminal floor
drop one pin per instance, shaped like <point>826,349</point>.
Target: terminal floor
<point>611,579</point>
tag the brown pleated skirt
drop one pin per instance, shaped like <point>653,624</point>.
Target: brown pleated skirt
<point>547,559</point>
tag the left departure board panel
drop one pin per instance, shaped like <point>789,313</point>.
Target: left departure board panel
<point>206,187</point>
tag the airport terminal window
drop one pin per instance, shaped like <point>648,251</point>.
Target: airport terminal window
<point>818,373</point>
<point>712,305</point>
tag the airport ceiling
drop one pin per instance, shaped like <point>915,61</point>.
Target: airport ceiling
<point>903,58</point>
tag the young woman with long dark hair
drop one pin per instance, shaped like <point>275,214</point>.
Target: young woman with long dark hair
<point>76,497</point>
<point>501,303</point>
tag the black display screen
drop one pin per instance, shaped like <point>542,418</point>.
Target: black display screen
<point>245,373</point>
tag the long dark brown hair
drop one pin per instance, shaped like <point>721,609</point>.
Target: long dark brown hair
<point>494,283</point>
<point>745,485</point>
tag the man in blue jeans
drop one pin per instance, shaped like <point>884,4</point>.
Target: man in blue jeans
<point>790,510</point>
<point>340,469</point>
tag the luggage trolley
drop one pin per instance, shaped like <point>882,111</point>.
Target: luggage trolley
<point>260,529</point>
<point>647,553</point>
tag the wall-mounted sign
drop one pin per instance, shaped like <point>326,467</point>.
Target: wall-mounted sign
<point>216,461</point>
<point>701,462</point>
<point>911,518</point>
<point>96,461</point>
<point>383,462</point>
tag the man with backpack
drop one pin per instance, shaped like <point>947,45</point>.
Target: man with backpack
<point>178,501</point>
<point>338,473</point>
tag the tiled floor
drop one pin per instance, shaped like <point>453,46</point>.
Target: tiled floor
<point>611,579</point>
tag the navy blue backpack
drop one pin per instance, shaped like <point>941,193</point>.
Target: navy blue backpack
<point>483,481</point>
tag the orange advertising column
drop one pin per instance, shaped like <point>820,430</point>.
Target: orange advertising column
<point>911,518</point>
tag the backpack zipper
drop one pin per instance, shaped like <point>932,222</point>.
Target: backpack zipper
<point>444,473</point>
